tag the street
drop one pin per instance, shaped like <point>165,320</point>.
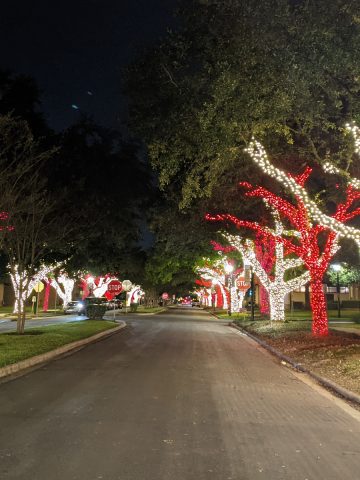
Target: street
<point>175,396</point>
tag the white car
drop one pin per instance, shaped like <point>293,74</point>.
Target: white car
<point>75,307</point>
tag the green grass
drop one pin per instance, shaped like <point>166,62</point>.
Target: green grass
<point>14,348</point>
<point>347,315</point>
<point>8,312</point>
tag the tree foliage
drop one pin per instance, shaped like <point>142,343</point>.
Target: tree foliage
<point>236,68</point>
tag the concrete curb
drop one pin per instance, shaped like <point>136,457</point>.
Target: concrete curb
<point>347,394</point>
<point>52,354</point>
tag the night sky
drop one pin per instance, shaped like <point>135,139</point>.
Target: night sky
<point>75,50</point>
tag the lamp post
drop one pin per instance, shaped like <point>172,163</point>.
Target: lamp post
<point>229,270</point>
<point>337,268</point>
<point>252,287</point>
<point>213,294</point>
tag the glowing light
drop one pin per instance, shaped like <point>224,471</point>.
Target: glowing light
<point>309,223</point>
<point>65,293</point>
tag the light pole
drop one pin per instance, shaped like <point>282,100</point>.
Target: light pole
<point>213,293</point>
<point>229,270</point>
<point>337,268</point>
<point>252,283</point>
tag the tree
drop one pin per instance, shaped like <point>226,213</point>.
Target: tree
<point>109,184</point>
<point>315,239</point>
<point>284,71</point>
<point>20,97</point>
<point>37,225</point>
<point>215,273</point>
<point>275,283</point>
<point>62,283</point>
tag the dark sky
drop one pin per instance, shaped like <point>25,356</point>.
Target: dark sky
<point>72,47</point>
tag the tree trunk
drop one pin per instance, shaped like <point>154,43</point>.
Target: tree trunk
<point>46,297</point>
<point>318,305</point>
<point>277,306</point>
<point>264,301</point>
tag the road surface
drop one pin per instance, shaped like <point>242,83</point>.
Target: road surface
<point>176,396</point>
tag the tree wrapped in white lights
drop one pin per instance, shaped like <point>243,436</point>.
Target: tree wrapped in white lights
<point>134,295</point>
<point>23,284</point>
<point>275,283</point>
<point>64,286</point>
<point>345,211</point>
<point>216,275</point>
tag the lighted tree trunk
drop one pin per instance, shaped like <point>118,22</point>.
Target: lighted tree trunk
<point>277,307</point>
<point>46,296</point>
<point>264,301</point>
<point>65,293</point>
<point>318,306</point>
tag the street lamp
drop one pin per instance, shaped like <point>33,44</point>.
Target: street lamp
<point>213,294</point>
<point>252,287</point>
<point>229,270</point>
<point>337,268</point>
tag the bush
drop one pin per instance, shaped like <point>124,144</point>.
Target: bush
<point>298,305</point>
<point>95,312</point>
<point>350,303</point>
<point>133,307</point>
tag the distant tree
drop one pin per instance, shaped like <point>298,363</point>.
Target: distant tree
<point>109,184</point>
<point>20,96</point>
<point>348,274</point>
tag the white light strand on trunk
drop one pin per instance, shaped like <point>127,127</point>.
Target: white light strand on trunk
<point>68,286</point>
<point>277,287</point>
<point>23,285</point>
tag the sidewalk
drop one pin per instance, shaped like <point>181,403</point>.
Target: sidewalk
<point>346,394</point>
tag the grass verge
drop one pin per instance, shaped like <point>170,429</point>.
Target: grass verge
<point>14,348</point>
<point>336,357</point>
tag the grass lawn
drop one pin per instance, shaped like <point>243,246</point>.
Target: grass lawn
<point>8,312</point>
<point>336,357</point>
<point>347,315</point>
<point>14,348</point>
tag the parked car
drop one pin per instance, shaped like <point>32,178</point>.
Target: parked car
<point>115,303</point>
<point>195,303</point>
<point>77,307</point>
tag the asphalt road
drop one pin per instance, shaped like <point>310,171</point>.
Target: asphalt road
<point>177,396</point>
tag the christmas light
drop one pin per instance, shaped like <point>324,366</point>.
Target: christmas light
<point>296,186</point>
<point>68,284</point>
<point>333,227</point>
<point>276,285</point>
<point>23,283</point>
<point>312,228</point>
<point>214,274</point>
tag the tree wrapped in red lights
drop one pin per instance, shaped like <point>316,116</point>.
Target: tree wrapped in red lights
<point>265,253</point>
<point>316,235</point>
<point>215,274</point>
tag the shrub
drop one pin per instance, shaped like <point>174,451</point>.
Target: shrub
<point>95,312</point>
<point>133,307</point>
<point>350,303</point>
